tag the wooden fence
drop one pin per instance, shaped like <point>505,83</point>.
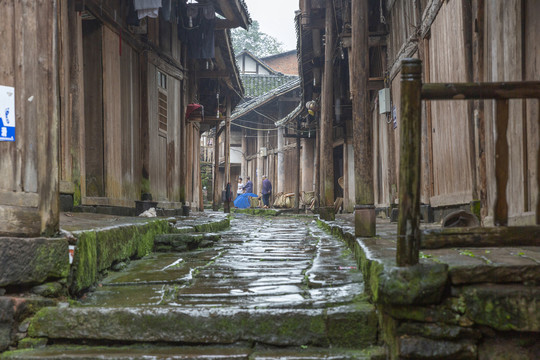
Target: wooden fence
<point>413,92</point>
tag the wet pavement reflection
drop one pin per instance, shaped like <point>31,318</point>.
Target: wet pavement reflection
<point>260,262</point>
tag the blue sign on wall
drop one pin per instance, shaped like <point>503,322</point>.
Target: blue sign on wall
<point>7,113</point>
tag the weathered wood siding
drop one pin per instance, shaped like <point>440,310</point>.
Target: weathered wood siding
<point>512,53</point>
<point>29,165</point>
<point>450,119</point>
<point>71,86</point>
<point>383,169</point>
<point>165,142</point>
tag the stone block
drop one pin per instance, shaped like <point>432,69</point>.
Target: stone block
<point>352,326</point>
<point>420,284</point>
<point>437,331</point>
<point>364,222</point>
<point>415,347</point>
<point>32,260</point>
<point>503,307</point>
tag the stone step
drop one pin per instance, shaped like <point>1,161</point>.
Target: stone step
<point>350,326</point>
<point>148,352</point>
<point>184,241</point>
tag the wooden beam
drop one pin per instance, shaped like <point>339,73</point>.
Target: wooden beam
<point>481,237</point>
<point>373,40</point>
<point>223,24</point>
<point>375,84</point>
<point>213,74</point>
<point>469,91</point>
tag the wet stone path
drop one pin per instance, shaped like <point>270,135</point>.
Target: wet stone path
<point>258,263</point>
<point>268,288</point>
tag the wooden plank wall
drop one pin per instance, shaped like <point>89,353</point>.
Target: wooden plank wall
<point>402,20</point>
<point>512,53</point>
<point>157,143</point>
<point>112,113</point>
<point>383,142</point>
<point>29,165</point>
<point>450,119</point>
<point>93,109</point>
<point>130,124</point>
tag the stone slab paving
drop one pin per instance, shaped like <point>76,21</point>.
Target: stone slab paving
<point>275,281</point>
<point>258,263</point>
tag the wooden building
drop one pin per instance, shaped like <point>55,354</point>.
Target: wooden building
<point>268,96</point>
<point>101,93</point>
<point>358,93</point>
<point>266,149</point>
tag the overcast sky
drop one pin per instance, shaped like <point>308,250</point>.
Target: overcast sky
<point>276,18</point>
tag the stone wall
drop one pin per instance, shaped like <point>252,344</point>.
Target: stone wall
<point>477,303</point>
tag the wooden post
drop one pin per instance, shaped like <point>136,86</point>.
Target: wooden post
<point>227,204</point>
<point>297,188</point>
<point>317,166</point>
<point>478,76</point>
<point>280,186</point>
<point>364,210</point>
<point>77,104</point>
<point>500,214</point>
<point>217,189</point>
<point>244,167</point>
<point>408,241</point>
<point>538,170</point>
<point>326,209</point>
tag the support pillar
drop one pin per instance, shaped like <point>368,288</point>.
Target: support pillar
<point>326,210</point>
<point>307,161</point>
<point>364,210</point>
<point>216,188</point>
<point>29,188</point>
<point>281,161</point>
<point>243,168</point>
<point>227,204</point>
<point>298,180</point>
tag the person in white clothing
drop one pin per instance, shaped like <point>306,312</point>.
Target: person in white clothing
<point>240,189</point>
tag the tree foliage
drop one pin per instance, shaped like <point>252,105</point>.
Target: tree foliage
<point>255,41</point>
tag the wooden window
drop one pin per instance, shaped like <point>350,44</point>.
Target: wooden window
<point>162,102</point>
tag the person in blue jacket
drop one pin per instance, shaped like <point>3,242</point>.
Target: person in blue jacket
<point>248,187</point>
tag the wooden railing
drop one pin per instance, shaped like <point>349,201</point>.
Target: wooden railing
<point>412,94</point>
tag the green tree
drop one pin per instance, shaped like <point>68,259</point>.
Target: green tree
<point>255,41</point>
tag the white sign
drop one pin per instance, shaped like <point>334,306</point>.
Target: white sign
<point>7,113</point>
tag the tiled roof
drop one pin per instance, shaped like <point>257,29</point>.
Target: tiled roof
<point>247,106</point>
<point>257,85</point>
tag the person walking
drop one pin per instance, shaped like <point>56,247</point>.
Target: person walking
<point>266,191</point>
<point>248,188</point>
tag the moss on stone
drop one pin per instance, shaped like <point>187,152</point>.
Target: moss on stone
<point>258,211</point>
<point>32,343</point>
<point>97,251</point>
<point>84,270</point>
<point>214,226</point>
